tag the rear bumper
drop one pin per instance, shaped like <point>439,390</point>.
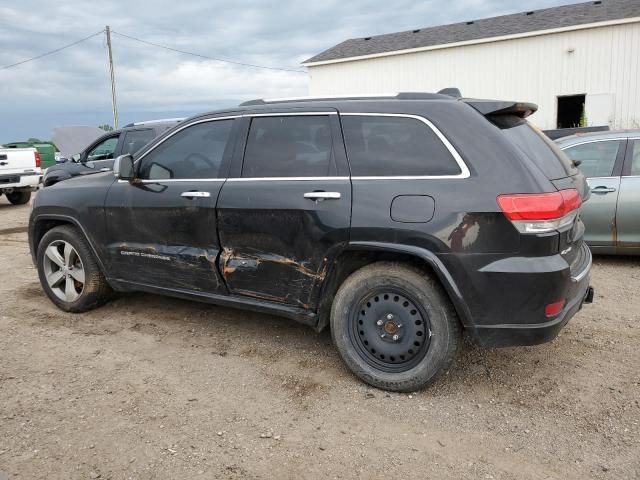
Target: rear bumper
<point>20,181</point>
<point>576,294</point>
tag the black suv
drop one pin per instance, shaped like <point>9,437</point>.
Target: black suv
<point>99,155</point>
<point>400,222</point>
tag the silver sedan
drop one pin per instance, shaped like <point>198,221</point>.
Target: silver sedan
<point>611,163</point>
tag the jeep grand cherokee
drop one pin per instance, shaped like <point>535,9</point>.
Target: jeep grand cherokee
<point>401,222</point>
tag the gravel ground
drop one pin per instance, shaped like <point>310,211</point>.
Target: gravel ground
<point>149,387</point>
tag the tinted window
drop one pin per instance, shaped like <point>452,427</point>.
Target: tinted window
<point>598,158</point>
<point>103,150</point>
<point>195,152</point>
<point>395,146</point>
<point>635,159</point>
<point>134,140</point>
<point>294,146</point>
<point>541,150</point>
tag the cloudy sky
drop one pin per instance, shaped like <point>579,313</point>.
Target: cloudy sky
<point>72,87</point>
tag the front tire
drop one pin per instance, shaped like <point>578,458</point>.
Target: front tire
<point>19,198</point>
<point>68,271</point>
<point>394,326</point>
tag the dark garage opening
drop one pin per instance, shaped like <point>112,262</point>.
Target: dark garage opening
<point>570,110</point>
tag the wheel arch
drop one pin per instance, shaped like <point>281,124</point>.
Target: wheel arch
<point>41,224</point>
<point>358,254</point>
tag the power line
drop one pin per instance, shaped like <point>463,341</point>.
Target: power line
<point>52,51</point>
<point>284,69</point>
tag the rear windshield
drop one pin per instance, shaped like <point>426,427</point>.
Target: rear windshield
<point>553,162</point>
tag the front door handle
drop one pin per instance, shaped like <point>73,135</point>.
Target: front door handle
<point>602,189</point>
<point>322,195</point>
<point>195,194</point>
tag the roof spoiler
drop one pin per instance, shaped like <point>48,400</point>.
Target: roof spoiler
<point>494,108</point>
<point>451,92</point>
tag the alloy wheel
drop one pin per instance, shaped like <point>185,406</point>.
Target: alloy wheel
<point>63,271</point>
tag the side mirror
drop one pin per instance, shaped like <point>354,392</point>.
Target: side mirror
<point>123,167</point>
<point>76,157</point>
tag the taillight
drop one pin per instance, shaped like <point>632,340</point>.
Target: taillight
<point>541,212</point>
<point>38,161</point>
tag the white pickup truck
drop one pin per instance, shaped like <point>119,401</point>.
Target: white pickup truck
<point>20,173</point>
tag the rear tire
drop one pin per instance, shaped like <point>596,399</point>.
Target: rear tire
<point>19,198</point>
<point>394,326</point>
<point>68,271</point>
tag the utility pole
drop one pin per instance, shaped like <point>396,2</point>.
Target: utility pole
<point>113,79</point>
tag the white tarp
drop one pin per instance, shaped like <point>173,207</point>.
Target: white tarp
<point>73,139</point>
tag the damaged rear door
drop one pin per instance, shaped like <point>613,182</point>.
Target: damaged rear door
<point>285,211</point>
<point>161,227</point>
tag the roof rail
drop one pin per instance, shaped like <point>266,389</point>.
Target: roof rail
<point>151,122</point>
<point>395,95</point>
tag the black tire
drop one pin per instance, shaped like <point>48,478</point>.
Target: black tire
<point>19,198</point>
<point>95,290</point>
<point>428,320</point>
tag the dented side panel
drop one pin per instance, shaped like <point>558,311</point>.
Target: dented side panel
<point>157,237</point>
<point>276,244</point>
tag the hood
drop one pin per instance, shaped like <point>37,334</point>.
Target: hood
<point>73,139</point>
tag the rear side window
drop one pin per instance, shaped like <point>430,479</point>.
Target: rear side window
<point>395,146</point>
<point>289,146</point>
<point>635,159</point>
<point>134,140</point>
<point>195,152</point>
<point>597,158</point>
<point>536,146</point>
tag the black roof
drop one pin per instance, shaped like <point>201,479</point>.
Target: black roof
<point>531,21</point>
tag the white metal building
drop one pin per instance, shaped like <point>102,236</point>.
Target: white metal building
<point>560,58</point>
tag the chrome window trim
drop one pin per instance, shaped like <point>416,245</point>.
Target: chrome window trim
<point>178,180</point>
<point>182,127</point>
<point>283,179</point>
<point>596,140</point>
<point>464,170</point>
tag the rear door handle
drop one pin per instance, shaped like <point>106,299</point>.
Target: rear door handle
<point>603,189</point>
<point>195,194</point>
<point>322,195</point>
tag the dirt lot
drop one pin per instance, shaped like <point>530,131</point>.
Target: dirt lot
<point>150,387</point>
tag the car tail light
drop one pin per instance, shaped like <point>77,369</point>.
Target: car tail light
<point>554,308</point>
<point>541,212</point>
<point>38,161</point>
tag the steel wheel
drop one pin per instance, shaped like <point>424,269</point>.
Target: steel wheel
<point>64,271</point>
<point>391,331</point>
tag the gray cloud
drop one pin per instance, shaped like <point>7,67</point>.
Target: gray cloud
<point>71,87</point>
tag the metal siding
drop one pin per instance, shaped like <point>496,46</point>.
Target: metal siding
<point>535,69</point>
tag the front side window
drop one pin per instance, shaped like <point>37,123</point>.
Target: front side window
<point>194,152</point>
<point>104,150</point>
<point>597,159</point>
<point>289,146</point>
<point>134,140</point>
<point>395,146</point>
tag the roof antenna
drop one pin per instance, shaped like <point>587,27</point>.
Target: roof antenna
<point>451,91</point>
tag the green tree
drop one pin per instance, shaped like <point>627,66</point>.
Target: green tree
<point>106,127</point>
<point>583,118</point>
